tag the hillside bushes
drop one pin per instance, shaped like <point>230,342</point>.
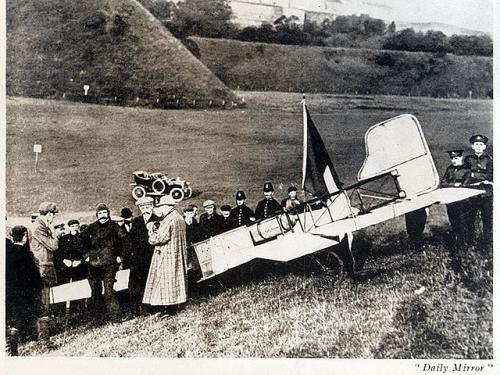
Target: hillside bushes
<point>266,67</point>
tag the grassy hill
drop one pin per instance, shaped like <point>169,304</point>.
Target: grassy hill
<point>273,67</point>
<point>116,47</point>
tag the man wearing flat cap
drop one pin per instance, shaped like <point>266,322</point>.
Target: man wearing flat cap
<point>457,175</point>
<point>166,285</point>
<point>268,206</point>
<point>241,214</point>
<point>480,165</point>
<point>140,252</point>
<point>291,203</point>
<point>210,220</point>
<point>102,243</point>
<point>44,244</point>
<point>70,265</point>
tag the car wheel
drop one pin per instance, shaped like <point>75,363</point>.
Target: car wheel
<point>138,192</point>
<point>177,194</point>
<point>158,186</point>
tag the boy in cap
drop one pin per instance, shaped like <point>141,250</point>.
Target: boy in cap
<point>102,243</point>
<point>210,221</point>
<point>228,222</point>
<point>291,203</point>
<point>241,214</point>
<point>457,175</point>
<point>268,206</point>
<point>480,165</point>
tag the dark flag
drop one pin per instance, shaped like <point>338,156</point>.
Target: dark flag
<point>318,174</point>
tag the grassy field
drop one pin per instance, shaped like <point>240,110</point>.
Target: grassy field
<point>88,157</point>
<point>260,66</point>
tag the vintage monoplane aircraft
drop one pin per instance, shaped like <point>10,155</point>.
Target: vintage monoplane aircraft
<point>398,177</point>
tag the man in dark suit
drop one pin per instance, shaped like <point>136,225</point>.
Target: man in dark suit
<point>241,214</point>
<point>480,165</point>
<point>211,221</point>
<point>457,175</point>
<point>228,222</point>
<point>70,265</point>
<point>268,206</point>
<point>139,253</point>
<point>23,288</point>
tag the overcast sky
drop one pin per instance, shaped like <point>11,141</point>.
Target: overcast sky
<point>473,14</point>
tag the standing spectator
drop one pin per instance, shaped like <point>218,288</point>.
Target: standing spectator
<point>268,206</point>
<point>291,203</point>
<point>457,175</point>
<point>481,168</point>
<point>126,214</point>
<point>23,287</point>
<point>70,265</point>
<point>193,228</point>
<point>195,212</point>
<point>211,221</point>
<point>138,258</point>
<point>227,222</point>
<point>43,245</point>
<point>241,213</point>
<point>167,279</point>
<point>102,243</point>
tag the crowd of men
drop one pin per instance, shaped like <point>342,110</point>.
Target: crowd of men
<point>157,247</point>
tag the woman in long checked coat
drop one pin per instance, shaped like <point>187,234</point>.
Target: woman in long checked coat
<point>167,280</point>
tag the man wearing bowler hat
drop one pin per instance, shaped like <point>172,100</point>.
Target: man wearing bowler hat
<point>457,175</point>
<point>166,285</point>
<point>480,165</point>
<point>268,206</point>
<point>241,214</point>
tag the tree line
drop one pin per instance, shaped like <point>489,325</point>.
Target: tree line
<point>213,19</point>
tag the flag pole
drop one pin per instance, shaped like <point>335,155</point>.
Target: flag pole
<point>304,145</point>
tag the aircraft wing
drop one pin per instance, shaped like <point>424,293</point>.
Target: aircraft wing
<point>394,209</point>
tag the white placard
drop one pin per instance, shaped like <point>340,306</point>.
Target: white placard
<point>37,148</point>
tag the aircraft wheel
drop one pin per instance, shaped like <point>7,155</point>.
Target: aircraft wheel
<point>177,194</point>
<point>188,193</point>
<point>138,192</point>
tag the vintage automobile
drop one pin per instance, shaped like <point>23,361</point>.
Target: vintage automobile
<point>158,184</point>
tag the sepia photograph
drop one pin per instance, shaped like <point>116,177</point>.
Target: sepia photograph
<point>216,180</point>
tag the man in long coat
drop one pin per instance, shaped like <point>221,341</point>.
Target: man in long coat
<point>167,279</point>
<point>43,244</point>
